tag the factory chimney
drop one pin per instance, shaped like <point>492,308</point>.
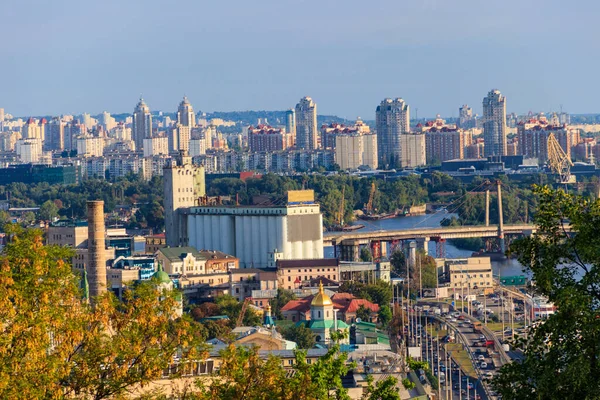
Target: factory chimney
<point>96,266</point>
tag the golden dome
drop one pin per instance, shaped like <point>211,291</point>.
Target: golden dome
<point>321,299</point>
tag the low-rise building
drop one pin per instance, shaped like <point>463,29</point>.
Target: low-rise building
<point>155,242</point>
<point>181,261</point>
<point>291,274</point>
<point>466,273</point>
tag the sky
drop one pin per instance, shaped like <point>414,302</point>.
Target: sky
<point>69,57</point>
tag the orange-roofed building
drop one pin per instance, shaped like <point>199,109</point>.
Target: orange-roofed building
<point>345,304</point>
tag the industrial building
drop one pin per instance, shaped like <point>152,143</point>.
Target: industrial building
<point>292,230</point>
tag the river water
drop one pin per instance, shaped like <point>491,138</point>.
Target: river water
<point>507,267</point>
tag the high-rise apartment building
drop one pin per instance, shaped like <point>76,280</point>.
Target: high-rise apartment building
<point>353,150</point>
<point>466,120</point>
<point>72,131</point>
<point>444,141</point>
<point>494,123</point>
<point>2,114</point>
<point>533,137</point>
<point>413,153</point>
<point>156,146</point>
<point>179,138</point>
<point>142,124</point>
<point>55,135</point>
<point>107,121</point>
<point>306,124</point>
<point>267,138</point>
<point>290,122</point>
<point>185,113</point>
<point>392,119</point>
<point>331,131</point>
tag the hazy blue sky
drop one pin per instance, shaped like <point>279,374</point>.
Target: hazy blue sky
<point>67,56</point>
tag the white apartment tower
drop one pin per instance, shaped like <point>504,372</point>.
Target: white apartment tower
<point>290,122</point>
<point>142,124</point>
<point>306,124</point>
<point>465,117</point>
<point>494,124</point>
<point>185,113</point>
<point>392,119</point>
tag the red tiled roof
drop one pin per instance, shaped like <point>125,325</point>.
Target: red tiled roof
<point>300,305</point>
<point>356,303</point>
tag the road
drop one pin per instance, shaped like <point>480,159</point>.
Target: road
<point>485,361</point>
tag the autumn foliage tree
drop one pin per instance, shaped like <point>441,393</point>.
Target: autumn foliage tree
<point>53,344</point>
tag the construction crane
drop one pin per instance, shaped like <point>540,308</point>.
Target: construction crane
<point>369,206</point>
<point>558,161</point>
<point>341,211</point>
<point>240,317</point>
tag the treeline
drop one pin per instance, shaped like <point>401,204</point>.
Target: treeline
<point>391,195</point>
<point>70,200</point>
<point>146,197</point>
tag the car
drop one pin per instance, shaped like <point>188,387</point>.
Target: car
<point>481,357</point>
<point>470,386</point>
<point>461,317</point>
<point>477,397</point>
<point>483,365</point>
<point>489,375</point>
<point>481,337</point>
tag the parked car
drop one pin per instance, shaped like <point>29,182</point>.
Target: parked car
<point>481,357</point>
<point>483,365</point>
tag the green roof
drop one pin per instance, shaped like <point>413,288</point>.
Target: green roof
<point>178,253</point>
<point>329,324</point>
<point>161,275</point>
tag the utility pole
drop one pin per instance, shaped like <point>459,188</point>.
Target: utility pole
<point>487,207</point>
<point>500,218</point>
<point>438,364</point>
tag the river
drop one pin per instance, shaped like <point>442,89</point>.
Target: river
<point>507,267</point>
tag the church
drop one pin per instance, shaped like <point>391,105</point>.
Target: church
<point>323,319</point>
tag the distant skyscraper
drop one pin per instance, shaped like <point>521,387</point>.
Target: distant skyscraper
<point>306,124</point>
<point>142,124</point>
<point>494,124</point>
<point>55,135</point>
<point>392,119</point>
<point>465,117</point>
<point>185,114</point>
<point>1,114</point>
<point>290,121</point>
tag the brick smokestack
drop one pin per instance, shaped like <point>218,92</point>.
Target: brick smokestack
<point>96,267</point>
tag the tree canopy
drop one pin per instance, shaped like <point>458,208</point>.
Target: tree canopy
<point>53,344</point>
<point>561,355</point>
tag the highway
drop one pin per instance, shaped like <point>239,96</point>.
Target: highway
<point>485,361</point>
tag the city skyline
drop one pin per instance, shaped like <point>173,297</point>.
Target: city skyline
<point>96,69</point>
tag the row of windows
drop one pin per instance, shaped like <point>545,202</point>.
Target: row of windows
<point>310,270</point>
<point>306,278</point>
<point>468,276</point>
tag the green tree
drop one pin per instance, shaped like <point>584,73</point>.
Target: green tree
<point>384,315</point>
<point>365,255</point>
<point>282,298</point>
<point>228,305</point>
<point>561,355</point>
<point>300,334</point>
<point>384,389</point>
<point>48,211</point>
<point>363,313</point>
<point>244,375</point>
<point>398,261</point>
<point>28,218</point>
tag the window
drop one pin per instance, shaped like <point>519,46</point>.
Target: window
<point>318,314</point>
